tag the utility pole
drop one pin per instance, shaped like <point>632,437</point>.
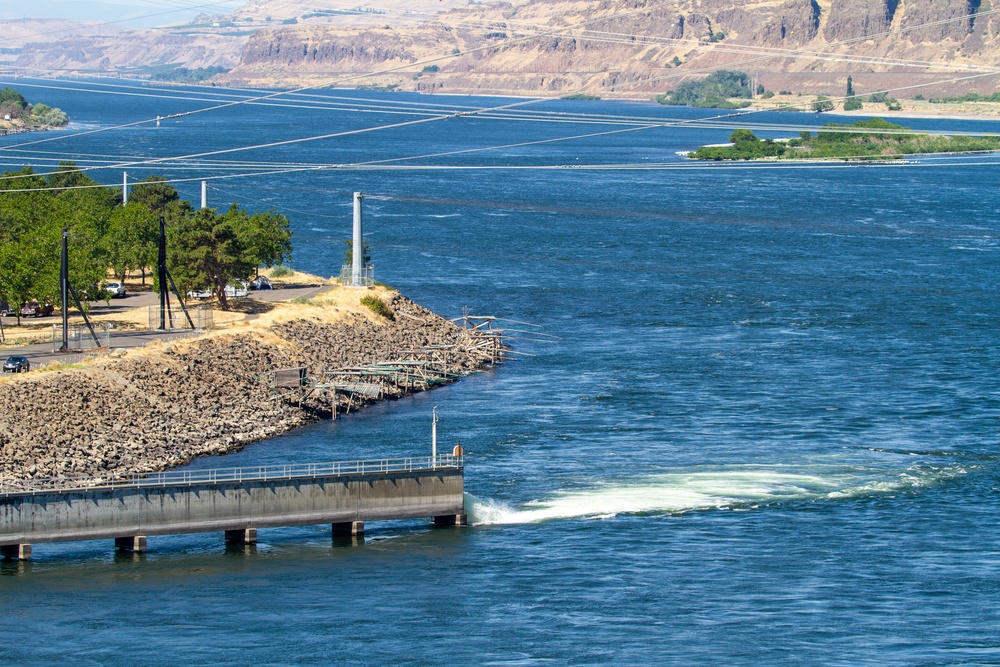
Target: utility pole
<point>124,188</point>
<point>64,289</point>
<point>161,273</point>
<point>204,194</point>
<point>358,247</point>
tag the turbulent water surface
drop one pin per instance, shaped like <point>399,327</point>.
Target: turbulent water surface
<point>765,433</point>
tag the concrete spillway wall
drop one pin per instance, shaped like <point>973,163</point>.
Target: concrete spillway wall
<point>85,514</point>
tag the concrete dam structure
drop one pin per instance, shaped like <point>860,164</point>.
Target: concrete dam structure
<point>236,501</point>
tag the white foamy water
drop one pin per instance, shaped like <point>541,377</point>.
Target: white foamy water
<point>722,488</point>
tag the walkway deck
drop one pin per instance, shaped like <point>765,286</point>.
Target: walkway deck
<point>237,501</point>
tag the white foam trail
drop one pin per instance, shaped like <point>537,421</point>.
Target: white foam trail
<point>731,487</point>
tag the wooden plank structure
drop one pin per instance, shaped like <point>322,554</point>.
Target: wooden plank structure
<point>418,369</point>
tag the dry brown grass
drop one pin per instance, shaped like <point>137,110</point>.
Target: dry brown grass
<point>335,305</point>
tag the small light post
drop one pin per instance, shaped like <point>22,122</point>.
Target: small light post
<point>434,439</point>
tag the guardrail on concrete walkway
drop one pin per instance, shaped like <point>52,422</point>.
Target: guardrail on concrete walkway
<point>237,501</point>
<point>245,474</point>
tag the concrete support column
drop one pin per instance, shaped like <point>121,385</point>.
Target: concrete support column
<point>352,528</point>
<point>136,543</point>
<point>452,520</point>
<point>16,551</point>
<point>242,536</point>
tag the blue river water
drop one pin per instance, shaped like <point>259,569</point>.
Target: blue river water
<point>765,431</point>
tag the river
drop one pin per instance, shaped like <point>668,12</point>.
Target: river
<point>763,431</point>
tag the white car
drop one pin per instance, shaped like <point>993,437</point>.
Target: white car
<point>239,289</point>
<point>116,289</point>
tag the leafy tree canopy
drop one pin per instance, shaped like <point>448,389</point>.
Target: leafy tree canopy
<point>713,91</point>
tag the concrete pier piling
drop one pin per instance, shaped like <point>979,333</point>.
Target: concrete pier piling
<point>451,520</point>
<point>349,528</point>
<point>15,551</point>
<point>133,543</point>
<point>241,536</point>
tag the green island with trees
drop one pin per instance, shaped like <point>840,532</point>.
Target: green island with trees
<point>17,115</point>
<point>206,249</point>
<point>715,91</point>
<point>872,139</point>
<point>185,75</point>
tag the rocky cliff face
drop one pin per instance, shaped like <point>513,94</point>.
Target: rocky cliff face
<point>132,49</point>
<point>627,47</point>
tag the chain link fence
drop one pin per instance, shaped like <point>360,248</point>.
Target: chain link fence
<point>367,277</point>
<point>174,318</point>
<point>79,338</point>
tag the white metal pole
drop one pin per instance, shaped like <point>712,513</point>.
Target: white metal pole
<point>357,247</point>
<point>124,188</point>
<point>434,439</point>
<point>204,194</point>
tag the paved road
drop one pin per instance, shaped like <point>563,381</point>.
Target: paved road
<point>41,353</point>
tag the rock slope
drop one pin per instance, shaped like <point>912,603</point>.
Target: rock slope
<point>150,411</point>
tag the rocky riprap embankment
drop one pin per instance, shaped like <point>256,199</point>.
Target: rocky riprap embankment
<point>150,411</point>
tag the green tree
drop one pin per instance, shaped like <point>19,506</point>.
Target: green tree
<point>11,96</point>
<point>21,265</point>
<point>206,252</point>
<point>822,104</point>
<point>154,193</point>
<point>714,90</point>
<point>130,239</point>
<point>852,103</point>
<point>265,236</point>
<point>349,252</point>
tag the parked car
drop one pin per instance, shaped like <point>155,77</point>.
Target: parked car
<point>237,289</point>
<point>35,309</point>
<point>116,289</point>
<point>261,282</point>
<point>16,365</point>
<point>5,309</point>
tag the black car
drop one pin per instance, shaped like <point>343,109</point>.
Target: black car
<point>260,282</point>
<point>16,365</point>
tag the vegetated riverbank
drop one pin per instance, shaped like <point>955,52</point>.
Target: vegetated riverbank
<point>161,406</point>
<point>17,115</point>
<point>872,139</point>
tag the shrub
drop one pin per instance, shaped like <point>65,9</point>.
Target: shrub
<point>822,104</point>
<point>378,306</point>
<point>281,271</point>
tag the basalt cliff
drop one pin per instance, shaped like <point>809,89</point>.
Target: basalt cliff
<point>608,48</point>
<point>635,48</point>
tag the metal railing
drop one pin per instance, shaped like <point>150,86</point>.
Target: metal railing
<point>228,475</point>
